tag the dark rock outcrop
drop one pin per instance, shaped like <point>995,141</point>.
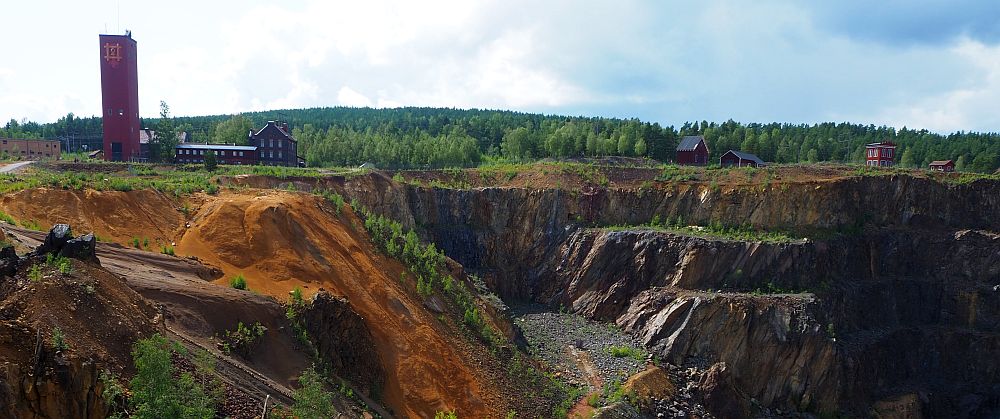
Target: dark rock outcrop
<point>8,261</point>
<point>721,396</point>
<point>341,337</point>
<point>57,237</point>
<point>897,293</point>
<point>60,242</point>
<point>82,248</point>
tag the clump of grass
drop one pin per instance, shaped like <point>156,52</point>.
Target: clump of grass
<point>238,282</point>
<point>32,225</point>
<point>167,250</point>
<point>60,263</point>
<point>7,218</point>
<point>627,352</point>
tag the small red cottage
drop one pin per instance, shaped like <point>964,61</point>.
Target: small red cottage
<point>740,159</point>
<point>880,154</point>
<point>692,150</point>
<point>942,165</point>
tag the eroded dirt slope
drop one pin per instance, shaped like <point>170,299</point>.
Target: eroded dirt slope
<point>277,241</point>
<point>281,240</point>
<point>111,215</point>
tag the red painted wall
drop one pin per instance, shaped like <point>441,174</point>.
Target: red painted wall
<point>880,155</point>
<point>120,96</point>
<point>698,157</point>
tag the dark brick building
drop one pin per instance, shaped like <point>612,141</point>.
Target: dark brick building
<point>224,154</point>
<point>275,145</point>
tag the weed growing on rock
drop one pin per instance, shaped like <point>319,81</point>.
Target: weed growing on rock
<point>244,338</point>
<point>238,282</point>
<point>114,395</point>
<point>35,273</point>
<point>167,250</point>
<point>59,340</point>
<point>445,415</point>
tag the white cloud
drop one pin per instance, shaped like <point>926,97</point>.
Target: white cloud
<point>972,104</point>
<point>348,97</point>
<point>772,60</point>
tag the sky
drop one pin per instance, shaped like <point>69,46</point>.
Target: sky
<point>918,63</point>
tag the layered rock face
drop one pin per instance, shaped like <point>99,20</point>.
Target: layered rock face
<point>343,339</point>
<point>899,301</point>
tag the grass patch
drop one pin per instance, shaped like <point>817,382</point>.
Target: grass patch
<point>714,230</point>
<point>238,282</point>
<point>627,352</point>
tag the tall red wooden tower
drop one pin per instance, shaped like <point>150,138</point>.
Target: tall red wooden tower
<point>120,97</point>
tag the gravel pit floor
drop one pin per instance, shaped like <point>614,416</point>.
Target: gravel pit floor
<point>582,352</point>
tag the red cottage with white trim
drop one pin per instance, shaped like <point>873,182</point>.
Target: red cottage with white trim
<point>880,154</point>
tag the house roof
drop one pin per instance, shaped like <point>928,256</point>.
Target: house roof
<point>218,147</point>
<point>745,156</point>
<point>882,144</point>
<point>941,162</point>
<point>689,142</point>
<point>276,125</point>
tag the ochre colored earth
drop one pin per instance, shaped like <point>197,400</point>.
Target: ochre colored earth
<point>280,240</point>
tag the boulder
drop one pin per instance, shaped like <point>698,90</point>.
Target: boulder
<point>8,261</point>
<point>54,241</point>
<point>645,386</point>
<point>721,396</point>
<point>83,248</point>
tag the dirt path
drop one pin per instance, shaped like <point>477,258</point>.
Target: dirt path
<point>13,167</point>
<point>582,409</point>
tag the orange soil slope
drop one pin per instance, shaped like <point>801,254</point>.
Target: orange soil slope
<point>279,240</point>
<point>112,215</point>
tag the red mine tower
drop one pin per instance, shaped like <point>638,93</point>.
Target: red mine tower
<point>120,97</point>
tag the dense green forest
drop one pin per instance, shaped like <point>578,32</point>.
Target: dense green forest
<point>441,137</point>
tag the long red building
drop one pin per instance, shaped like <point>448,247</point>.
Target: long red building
<point>120,97</point>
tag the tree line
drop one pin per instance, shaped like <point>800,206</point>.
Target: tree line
<point>444,137</point>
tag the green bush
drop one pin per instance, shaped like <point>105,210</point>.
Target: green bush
<point>244,338</point>
<point>238,282</point>
<point>312,401</point>
<point>167,250</point>
<point>156,393</point>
